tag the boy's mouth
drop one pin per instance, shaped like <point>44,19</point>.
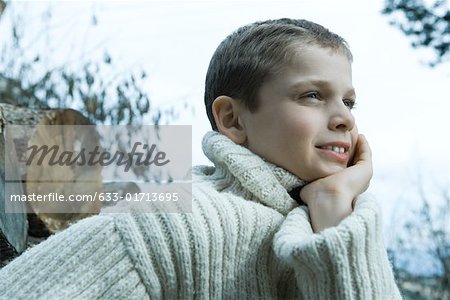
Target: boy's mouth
<point>338,147</point>
<point>336,151</point>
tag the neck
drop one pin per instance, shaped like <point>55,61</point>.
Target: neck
<point>239,170</point>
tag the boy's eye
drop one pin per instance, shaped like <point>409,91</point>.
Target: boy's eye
<point>350,103</point>
<point>314,95</point>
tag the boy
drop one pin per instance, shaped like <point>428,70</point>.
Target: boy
<point>279,96</point>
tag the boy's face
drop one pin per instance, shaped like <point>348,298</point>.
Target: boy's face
<point>303,122</point>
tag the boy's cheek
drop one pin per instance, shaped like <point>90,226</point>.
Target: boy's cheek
<point>355,133</point>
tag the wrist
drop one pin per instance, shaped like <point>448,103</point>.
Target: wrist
<point>323,217</point>
<point>328,210</point>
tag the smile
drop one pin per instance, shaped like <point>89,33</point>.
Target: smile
<point>334,149</point>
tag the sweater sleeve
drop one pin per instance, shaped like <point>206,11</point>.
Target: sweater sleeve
<point>86,261</point>
<point>348,261</point>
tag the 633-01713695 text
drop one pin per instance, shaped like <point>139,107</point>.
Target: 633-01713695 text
<point>139,197</point>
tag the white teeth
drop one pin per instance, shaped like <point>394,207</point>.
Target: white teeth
<point>335,149</point>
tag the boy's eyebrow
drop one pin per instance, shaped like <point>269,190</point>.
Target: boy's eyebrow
<point>319,83</point>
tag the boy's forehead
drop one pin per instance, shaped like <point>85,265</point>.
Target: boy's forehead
<point>314,67</point>
<point>317,61</point>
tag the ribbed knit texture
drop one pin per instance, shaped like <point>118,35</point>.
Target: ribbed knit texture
<point>246,238</point>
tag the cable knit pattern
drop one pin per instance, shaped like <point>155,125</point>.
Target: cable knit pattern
<point>266,182</point>
<point>350,258</point>
<point>245,239</point>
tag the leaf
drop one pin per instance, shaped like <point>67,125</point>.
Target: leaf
<point>89,79</point>
<point>94,20</point>
<point>107,58</point>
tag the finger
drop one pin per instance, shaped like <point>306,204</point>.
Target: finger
<point>363,152</point>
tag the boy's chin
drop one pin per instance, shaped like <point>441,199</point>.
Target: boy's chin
<point>325,173</point>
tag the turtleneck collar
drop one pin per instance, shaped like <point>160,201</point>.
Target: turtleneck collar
<point>249,174</point>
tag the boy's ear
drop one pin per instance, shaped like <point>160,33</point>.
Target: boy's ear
<point>226,111</point>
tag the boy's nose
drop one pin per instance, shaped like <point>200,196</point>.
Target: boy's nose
<point>341,118</point>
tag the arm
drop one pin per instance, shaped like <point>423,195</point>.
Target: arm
<point>86,261</point>
<point>347,261</point>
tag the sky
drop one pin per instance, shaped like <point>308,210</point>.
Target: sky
<point>402,103</point>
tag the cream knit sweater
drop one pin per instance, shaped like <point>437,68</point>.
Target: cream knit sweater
<point>245,239</point>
